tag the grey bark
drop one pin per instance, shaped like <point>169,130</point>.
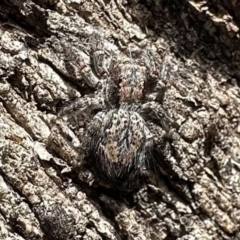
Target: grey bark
<point>193,192</point>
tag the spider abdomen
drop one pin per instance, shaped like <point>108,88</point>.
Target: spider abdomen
<point>120,147</point>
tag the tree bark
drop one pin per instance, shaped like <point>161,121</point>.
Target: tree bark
<point>194,191</point>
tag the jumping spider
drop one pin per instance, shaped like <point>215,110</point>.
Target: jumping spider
<point>116,141</point>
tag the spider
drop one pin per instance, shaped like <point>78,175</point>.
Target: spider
<point>117,141</point>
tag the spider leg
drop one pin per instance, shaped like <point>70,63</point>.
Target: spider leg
<point>82,109</point>
<point>154,111</point>
<point>71,143</point>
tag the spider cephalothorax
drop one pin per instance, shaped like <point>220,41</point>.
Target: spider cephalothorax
<point>121,147</point>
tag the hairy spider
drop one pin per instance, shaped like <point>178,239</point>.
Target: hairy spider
<point>116,138</point>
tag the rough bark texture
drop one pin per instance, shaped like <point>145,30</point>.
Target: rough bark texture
<point>193,193</point>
